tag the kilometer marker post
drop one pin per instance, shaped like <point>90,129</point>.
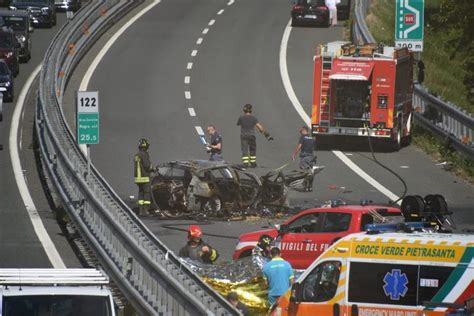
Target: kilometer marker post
<point>87,123</point>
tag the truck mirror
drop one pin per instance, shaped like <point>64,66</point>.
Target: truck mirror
<point>284,229</point>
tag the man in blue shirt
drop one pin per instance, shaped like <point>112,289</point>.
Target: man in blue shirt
<point>306,147</point>
<point>279,275</point>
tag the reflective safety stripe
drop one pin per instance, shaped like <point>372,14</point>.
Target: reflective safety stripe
<point>138,173</point>
<point>213,255</point>
<point>146,202</point>
<point>245,159</point>
<point>253,158</point>
<point>140,202</point>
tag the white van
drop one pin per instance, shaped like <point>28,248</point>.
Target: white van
<point>71,292</point>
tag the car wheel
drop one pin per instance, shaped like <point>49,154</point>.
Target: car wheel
<point>294,22</point>
<point>212,206</point>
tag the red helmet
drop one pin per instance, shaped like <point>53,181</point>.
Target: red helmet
<point>194,231</point>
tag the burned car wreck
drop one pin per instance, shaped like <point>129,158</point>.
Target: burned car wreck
<point>217,188</point>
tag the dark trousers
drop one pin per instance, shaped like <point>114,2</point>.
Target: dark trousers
<point>144,196</point>
<point>306,163</point>
<point>248,145</point>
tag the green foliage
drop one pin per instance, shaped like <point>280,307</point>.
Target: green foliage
<point>449,41</point>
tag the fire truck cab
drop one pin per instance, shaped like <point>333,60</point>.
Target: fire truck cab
<point>363,91</point>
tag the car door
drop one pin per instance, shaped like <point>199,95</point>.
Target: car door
<point>299,245</point>
<point>226,183</point>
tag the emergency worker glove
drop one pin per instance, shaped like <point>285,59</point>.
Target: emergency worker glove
<point>267,136</point>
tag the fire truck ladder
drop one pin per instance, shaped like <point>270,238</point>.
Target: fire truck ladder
<point>324,108</point>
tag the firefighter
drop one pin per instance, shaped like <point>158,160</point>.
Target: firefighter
<point>247,123</point>
<point>214,147</point>
<point>142,169</point>
<point>263,246</point>
<point>196,248</point>
<point>306,147</point>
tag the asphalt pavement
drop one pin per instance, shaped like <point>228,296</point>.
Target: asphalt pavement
<point>215,56</point>
<point>19,244</point>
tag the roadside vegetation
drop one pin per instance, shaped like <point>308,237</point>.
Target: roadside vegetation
<point>449,65</point>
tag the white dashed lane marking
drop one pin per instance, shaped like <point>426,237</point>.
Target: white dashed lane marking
<point>190,66</point>
<point>191,112</point>
<point>194,52</point>
<point>205,31</point>
<point>230,2</point>
<point>220,12</point>
<point>199,130</point>
<point>187,95</point>
<point>211,22</point>
<point>187,79</point>
<point>199,41</point>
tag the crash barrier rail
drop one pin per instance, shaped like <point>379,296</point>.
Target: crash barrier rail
<point>147,272</point>
<point>441,118</point>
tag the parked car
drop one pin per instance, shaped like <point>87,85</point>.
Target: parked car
<point>6,82</point>
<point>212,187</point>
<point>305,12</point>
<point>19,22</point>
<point>9,48</point>
<point>67,5</point>
<point>42,12</point>
<point>343,9</point>
<point>305,236</point>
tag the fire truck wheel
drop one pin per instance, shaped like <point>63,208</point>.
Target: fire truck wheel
<point>397,136</point>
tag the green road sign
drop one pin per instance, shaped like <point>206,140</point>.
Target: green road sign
<point>87,117</point>
<point>409,24</point>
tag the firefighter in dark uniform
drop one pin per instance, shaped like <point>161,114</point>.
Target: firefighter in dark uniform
<point>306,147</point>
<point>142,169</point>
<point>214,147</point>
<point>196,248</point>
<point>247,123</point>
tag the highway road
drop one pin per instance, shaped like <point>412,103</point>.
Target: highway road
<point>214,56</point>
<point>19,244</point>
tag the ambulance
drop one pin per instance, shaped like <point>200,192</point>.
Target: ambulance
<point>386,274</point>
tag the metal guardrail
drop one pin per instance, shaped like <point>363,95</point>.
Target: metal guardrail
<point>147,272</point>
<point>439,117</point>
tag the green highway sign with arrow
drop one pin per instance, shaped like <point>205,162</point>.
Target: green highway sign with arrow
<point>409,16</point>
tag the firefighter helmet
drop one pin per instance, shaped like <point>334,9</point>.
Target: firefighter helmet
<point>143,143</point>
<point>248,108</point>
<point>194,231</point>
<point>264,241</point>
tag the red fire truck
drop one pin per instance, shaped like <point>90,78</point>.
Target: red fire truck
<point>363,91</point>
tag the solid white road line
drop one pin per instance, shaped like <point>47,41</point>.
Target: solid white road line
<point>191,112</point>
<point>299,109</point>
<point>40,230</point>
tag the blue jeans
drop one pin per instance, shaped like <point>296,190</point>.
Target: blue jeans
<point>216,157</point>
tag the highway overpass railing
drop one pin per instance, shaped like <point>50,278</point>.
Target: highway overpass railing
<point>147,272</point>
<point>442,118</point>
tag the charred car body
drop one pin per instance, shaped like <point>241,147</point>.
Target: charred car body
<point>214,187</point>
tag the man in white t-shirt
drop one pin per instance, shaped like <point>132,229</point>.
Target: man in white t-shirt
<point>331,4</point>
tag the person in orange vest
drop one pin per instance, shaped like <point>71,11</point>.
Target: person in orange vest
<point>196,248</point>
<point>142,170</point>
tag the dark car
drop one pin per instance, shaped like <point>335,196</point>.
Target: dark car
<point>6,82</point>
<point>343,9</point>
<point>67,5</point>
<point>42,12</point>
<point>305,12</point>
<point>19,23</point>
<point>9,48</point>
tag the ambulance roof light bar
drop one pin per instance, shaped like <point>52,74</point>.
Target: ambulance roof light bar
<point>52,277</point>
<point>408,227</point>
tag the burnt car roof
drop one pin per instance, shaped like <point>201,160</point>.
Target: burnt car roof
<point>199,165</point>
